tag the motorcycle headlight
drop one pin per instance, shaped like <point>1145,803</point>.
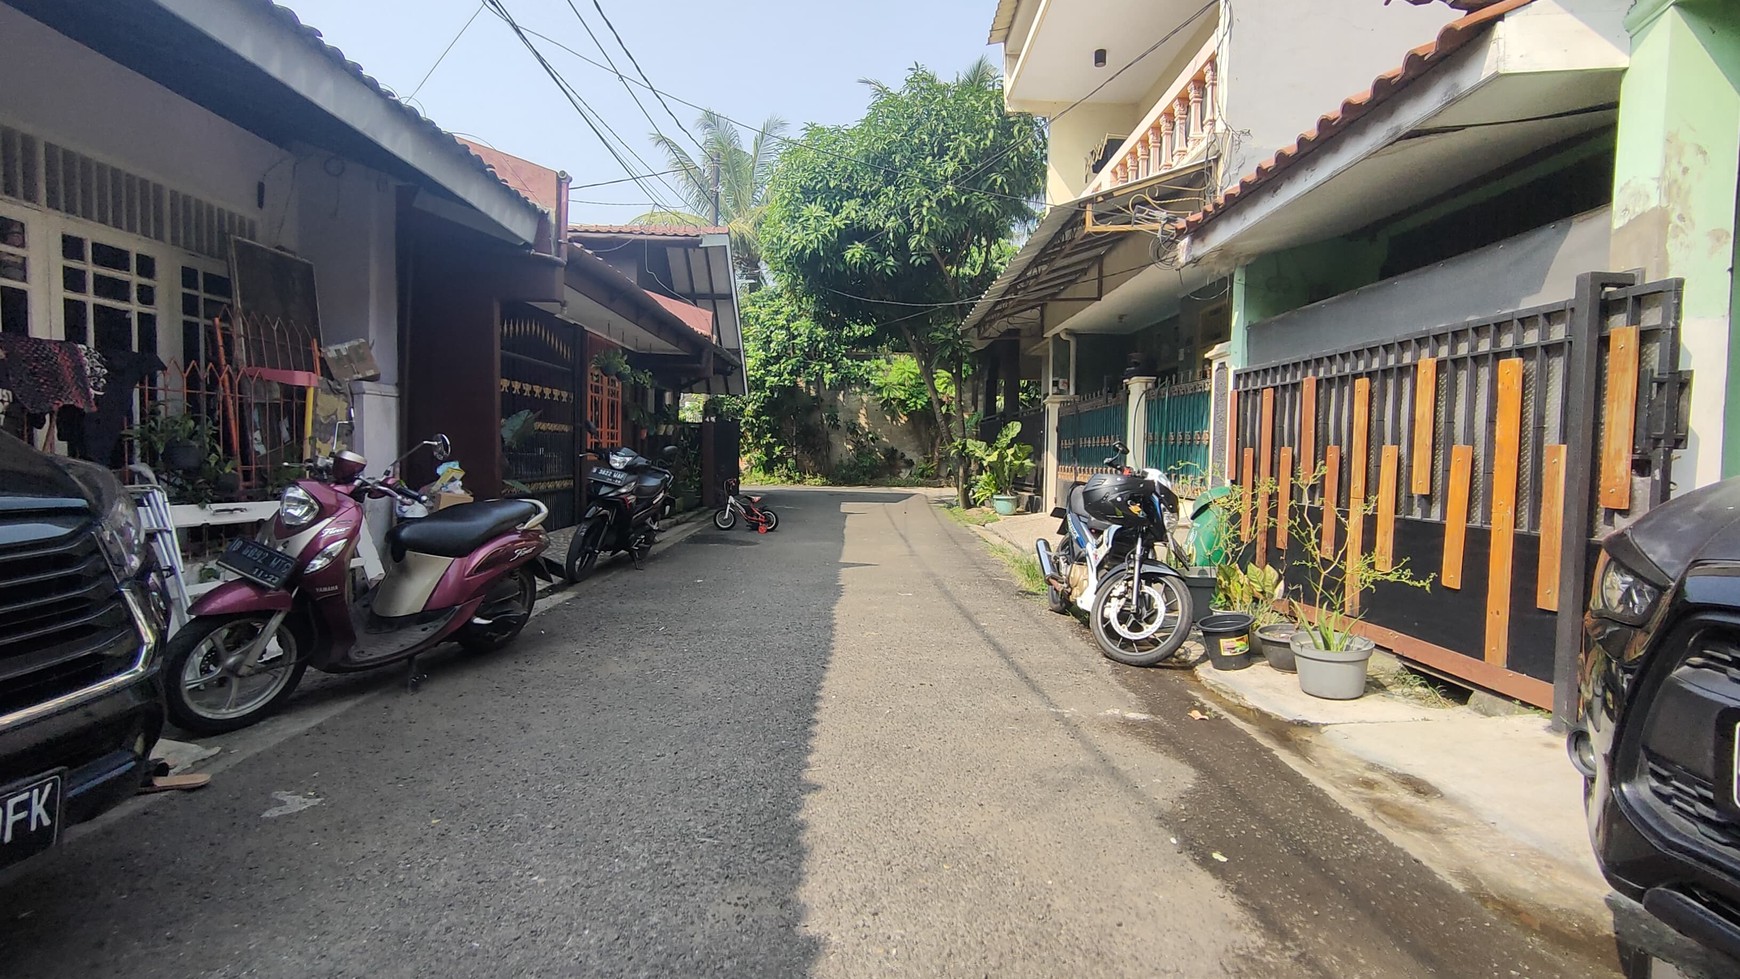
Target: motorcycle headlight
<point>296,508</point>
<point>621,458</point>
<point>1621,594</point>
<point>119,533</point>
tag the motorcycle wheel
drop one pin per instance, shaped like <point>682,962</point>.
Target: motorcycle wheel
<point>725,518</point>
<point>771,518</point>
<point>1148,629</point>
<point>521,590</point>
<point>583,550</point>
<point>203,699</point>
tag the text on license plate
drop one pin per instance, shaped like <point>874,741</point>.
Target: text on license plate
<point>610,475</point>
<point>29,818</point>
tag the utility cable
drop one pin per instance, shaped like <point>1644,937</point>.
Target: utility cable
<point>642,72</point>
<point>586,113</point>
<point>445,51</point>
<point>612,62</point>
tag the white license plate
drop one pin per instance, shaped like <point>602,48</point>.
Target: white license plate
<point>29,818</point>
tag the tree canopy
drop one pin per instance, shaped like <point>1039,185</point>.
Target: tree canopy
<point>739,173</point>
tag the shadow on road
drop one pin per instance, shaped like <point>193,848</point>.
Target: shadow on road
<point>616,794</point>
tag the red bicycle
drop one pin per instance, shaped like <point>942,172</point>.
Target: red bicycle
<point>756,516</point>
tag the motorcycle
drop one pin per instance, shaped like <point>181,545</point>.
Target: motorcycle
<point>465,573</point>
<point>629,496</point>
<point>1115,529</point>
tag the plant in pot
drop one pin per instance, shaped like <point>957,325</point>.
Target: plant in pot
<point>1333,587</point>
<point>193,467</point>
<point>1255,590</point>
<point>1004,461</point>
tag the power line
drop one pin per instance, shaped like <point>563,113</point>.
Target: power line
<point>756,129</point>
<point>624,180</point>
<point>446,50</point>
<point>642,72</point>
<point>586,112</point>
<point>612,62</point>
<point>893,302</point>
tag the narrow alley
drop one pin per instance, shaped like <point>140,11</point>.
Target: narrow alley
<point>850,748</point>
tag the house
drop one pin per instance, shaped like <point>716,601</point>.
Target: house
<point>1487,280</point>
<point>212,184</point>
<point>663,299</point>
<point>1153,107</point>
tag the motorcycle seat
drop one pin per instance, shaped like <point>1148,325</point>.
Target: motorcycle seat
<point>459,530</point>
<point>1079,509</point>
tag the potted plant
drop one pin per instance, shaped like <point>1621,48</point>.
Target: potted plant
<point>1004,462</point>
<point>1333,587</point>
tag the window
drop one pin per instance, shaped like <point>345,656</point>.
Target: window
<point>108,294</point>
<point>14,276</point>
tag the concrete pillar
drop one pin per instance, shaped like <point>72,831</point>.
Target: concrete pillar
<point>1053,406</point>
<point>1674,201</point>
<point>1136,398</point>
<point>1220,373</point>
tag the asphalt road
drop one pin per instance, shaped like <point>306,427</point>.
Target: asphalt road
<point>849,748</point>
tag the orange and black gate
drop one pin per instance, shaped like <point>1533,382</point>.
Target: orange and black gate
<point>540,454</point>
<point>1492,455</point>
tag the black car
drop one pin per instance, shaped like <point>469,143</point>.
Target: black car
<point>80,619</point>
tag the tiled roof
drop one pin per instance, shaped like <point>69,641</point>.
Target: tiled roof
<point>538,184</point>
<point>648,230</point>
<point>318,42</point>
<point>1452,38</point>
<point>698,319</point>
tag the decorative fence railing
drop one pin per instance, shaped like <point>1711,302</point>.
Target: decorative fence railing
<point>1178,433</point>
<point>1087,430</point>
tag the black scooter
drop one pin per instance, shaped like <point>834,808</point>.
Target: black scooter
<point>629,496</point>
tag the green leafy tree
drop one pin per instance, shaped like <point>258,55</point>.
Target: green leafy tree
<point>790,360</point>
<point>739,175</point>
<point>902,220</point>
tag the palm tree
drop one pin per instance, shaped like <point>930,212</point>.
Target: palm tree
<point>729,181</point>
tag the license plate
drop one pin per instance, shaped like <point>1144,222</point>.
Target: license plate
<point>615,477</point>
<point>29,819</point>
<point>257,563</point>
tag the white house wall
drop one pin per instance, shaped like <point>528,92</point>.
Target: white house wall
<point>1275,81</point>
<point>335,213</point>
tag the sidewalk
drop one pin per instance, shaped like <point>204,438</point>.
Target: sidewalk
<point>1490,803</point>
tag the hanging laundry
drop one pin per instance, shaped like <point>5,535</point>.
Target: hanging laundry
<point>102,429</point>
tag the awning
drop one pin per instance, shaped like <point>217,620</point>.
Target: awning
<point>1065,267</point>
<point>254,64</point>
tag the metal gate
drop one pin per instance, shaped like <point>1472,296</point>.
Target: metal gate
<point>538,356</point>
<point>1491,455</point>
<point>1087,430</point>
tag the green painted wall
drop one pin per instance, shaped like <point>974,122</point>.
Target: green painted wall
<point>1674,205</point>
<point>1284,281</point>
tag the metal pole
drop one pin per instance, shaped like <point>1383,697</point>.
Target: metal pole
<point>1582,369</point>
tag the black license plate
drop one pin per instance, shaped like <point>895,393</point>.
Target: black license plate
<point>29,819</point>
<point>615,477</point>
<point>258,563</point>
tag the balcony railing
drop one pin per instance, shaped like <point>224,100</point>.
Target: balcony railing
<point>1176,131</point>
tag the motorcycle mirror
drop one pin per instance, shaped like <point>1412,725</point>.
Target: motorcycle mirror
<point>669,453</point>
<point>591,429</point>
<point>443,448</point>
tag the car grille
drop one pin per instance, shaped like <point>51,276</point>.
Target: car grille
<point>1693,800</point>
<point>1717,656</point>
<point>63,623</point>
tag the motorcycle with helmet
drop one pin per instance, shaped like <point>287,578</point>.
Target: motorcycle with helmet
<point>1116,533</point>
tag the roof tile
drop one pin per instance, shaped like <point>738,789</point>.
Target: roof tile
<point>1415,63</point>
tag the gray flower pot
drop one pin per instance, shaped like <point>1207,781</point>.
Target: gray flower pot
<point>1201,584</point>
<point>1276,642</point>
<point>1331,674</point>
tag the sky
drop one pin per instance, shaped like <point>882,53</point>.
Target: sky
<point>749,59</point>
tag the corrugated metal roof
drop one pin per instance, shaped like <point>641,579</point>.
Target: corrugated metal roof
<point>312,36</point>
<point>1003,21</point>
<point>648,230</point>
<point>1452,38</point>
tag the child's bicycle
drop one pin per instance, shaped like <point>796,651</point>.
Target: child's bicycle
<point>756,517</point>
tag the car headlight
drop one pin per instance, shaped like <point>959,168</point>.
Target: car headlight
<point>325,556</point>
<point>296,508</point>
<point>1621,594</point>
<point>118,530</point>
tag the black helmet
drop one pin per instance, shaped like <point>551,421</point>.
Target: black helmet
<point>1117,499</point>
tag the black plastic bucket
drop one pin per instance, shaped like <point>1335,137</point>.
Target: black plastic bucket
<point>1227,638</point>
